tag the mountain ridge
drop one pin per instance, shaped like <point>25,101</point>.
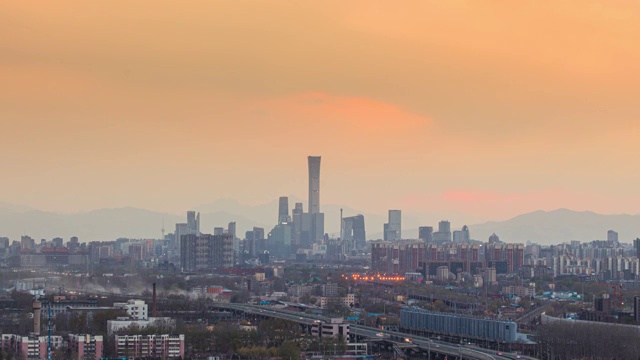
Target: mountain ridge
<point>541,226</point>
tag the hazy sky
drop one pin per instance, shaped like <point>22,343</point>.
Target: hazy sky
<point>489,108</point>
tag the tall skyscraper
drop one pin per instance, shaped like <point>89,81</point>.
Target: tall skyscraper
<point>354,231</point>
<point>444,226</point>
<point>283,210</point>
<point>313,221</point>
<point>314,184</point>
<point>298,209</point>
<point>250,244</point>
<point>298,212</point>
<point>193,222</point>
<point>393,229</point>
<point>636,244</point>
<point>612,236</point>
<point>192,226</point>
<point>466,236</point>
<point>181,229</point>
<point>279,240</point>
<point>258,233</point>
<point>260,240</point>
<point>444,232</point>
<point>231,229</point>
<point>425,233</point>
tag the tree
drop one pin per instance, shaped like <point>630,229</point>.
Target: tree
<point>289,350</point>
<point>59,354</point>
<point>439,306</point>
<point>278,284</point>
<point>241,297</point>
<point>278,331</point>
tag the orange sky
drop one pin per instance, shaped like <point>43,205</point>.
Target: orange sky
<point>488,108</point>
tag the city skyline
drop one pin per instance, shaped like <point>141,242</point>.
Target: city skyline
<point>335,179</point>
<point>434,107</point>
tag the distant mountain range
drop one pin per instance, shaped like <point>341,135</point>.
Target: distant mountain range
<point>562,225</point>
<point>544,227</point>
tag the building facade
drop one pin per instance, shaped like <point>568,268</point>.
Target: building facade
<point>206,252</point>
<point>335,328</point>
<point>163,346</point>
<point>136,309</point>
<point>397,257</point>
<point>393,229</point>
<point>86,347</point>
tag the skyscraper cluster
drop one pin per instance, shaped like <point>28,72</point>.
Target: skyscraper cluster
<point>192,226</point>
<point>294,231</point>
<point>300,230</point>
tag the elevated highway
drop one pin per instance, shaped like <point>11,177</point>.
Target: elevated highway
<point>420,344</point>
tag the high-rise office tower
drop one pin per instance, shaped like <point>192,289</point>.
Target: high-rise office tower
<point>612,236</point>
<point>636,244</point>
<point>298,209</point>
<point>258,233</point>
<point>259,239</point>
<point>231,229</point>
<point>218,230</point>
<point>313,221</point>
<point>192,226</point>
<point>297,225</point>
<point>181,229</point>
<point>283,210</point>
<point>314,184</point>
<point>425,233</point>
<point>193,222</point>
<point>444,232</point>
<point>312,229</point>
<point>393,229</point>
<point>466,236</point>
<point>444,226</point>
<point>353,230</point>
<point>250,244</point>
<point>279,240</point>
<point>462,236</point>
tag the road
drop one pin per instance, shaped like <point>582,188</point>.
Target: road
<point>526,318</point>
<point>423,343</point>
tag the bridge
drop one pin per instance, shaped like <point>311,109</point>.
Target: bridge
<point>424,345</point>
<point>416,344</point>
